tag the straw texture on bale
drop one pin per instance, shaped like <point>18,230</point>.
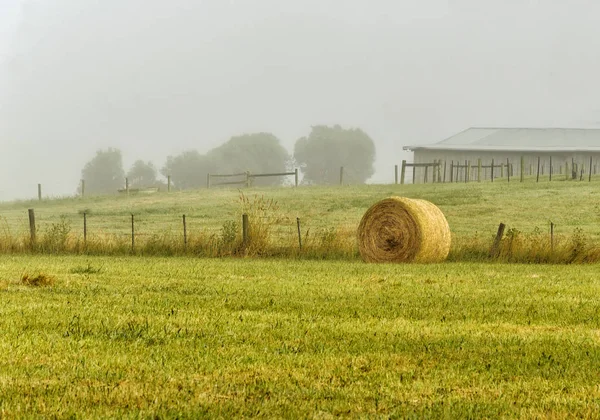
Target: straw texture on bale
<point>400,229</point>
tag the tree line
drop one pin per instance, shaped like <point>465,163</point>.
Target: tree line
<point>318,155</point>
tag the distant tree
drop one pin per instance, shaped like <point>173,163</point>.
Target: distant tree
<point>256,153</point>
<point>142,174</point>
<point>104,173</point>
<point>326,149</point>
<point>188,170</point>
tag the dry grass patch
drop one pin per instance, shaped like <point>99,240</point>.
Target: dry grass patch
<point>39,280</point>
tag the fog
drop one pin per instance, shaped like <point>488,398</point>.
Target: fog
<point>154,77</point>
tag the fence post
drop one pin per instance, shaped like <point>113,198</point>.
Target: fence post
<point>245,229</point>
<point>300,231</point>
<point>132,233</point>
<point>444,171</point>
<point>550,172</point>
<point>403,172</point>
<point>84,228</point>
<point>590,170</point>
<point>396,174</point>
<point>184,233</point>
<point>425,177</point>
<point>32,226</point>
<point>495,251</point>
<point>168,183</point>
<point>451,171</point>
<point>341,175</point>
<point>538,171</point>
<point>83,188</point>
<point>522,168</point>
<point>414,173</point>
<point>507,170</point>
<point>573,169</point>
<point>39,192</point>
<point>296,176</point>
<point>467,170</point>
<point>492,171</point>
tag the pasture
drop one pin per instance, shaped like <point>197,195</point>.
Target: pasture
<point>143,337</point>
<point>164,331</point>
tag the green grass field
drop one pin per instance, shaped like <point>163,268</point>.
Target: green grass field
<point>183,336</point>
<point>145,337</point>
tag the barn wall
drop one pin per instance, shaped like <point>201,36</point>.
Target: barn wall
<point>448,157</point>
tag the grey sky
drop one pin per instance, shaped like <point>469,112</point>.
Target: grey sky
<point>155,77</point>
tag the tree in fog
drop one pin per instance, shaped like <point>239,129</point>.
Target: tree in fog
<point>104,174</point>
<point>256,153</point>
<point>142,174</point>
<point>326,149</point>
<point>188,170</point>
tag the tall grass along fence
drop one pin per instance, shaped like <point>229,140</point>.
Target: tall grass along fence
<point>259,231</point>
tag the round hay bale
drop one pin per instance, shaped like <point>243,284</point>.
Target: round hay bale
<point>400,229</point>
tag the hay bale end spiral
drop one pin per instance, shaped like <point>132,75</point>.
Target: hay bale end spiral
<point>400,229</point>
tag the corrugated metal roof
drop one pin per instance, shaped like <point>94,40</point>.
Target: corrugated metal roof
<point>520,139</point>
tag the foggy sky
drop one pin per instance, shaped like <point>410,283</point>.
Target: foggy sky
<point>155,78</point>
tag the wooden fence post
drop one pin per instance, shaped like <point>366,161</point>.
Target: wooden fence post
<point>341,175</point>
<point>425,177</point>
<point>245,230</point>
<point>396,174</point>
<point>184,233</point>
<point>403,172</point>
<point>444,179</point>
<point>300,231</point>
<point>168,183</point>
<point>467,171</point>
<point>296,176</point>
<point>507,170</point>
<point>573,169</point>
<point>550,172</point>
<point>414,173</point>
<point>590,169</point>
<point>132,233</point>
<point>538,171</point>
<point>32,226</point>
<point>495,251</point>
<point>39,192</point>
<point>522,168</point>
<point>451,171</point>
<point>84,228</point>
<point>492,172</point>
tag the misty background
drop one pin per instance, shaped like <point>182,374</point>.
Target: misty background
<point>155,77</point>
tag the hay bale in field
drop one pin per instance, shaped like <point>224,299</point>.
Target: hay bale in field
<point>400,229</point>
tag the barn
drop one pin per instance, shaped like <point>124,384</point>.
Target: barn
<point>469,155</point>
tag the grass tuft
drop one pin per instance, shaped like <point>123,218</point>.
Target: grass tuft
<point>40,280</point>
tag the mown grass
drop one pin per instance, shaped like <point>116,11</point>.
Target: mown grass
<point>329,217</point>
<point>177,337</point>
